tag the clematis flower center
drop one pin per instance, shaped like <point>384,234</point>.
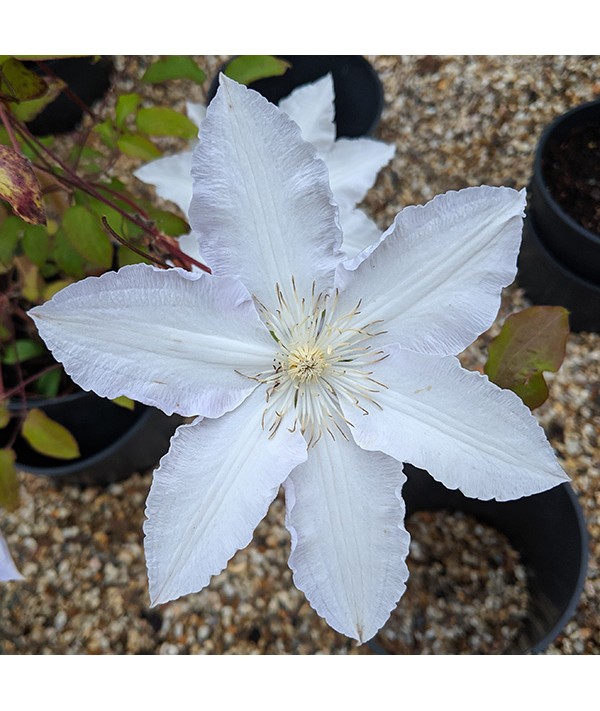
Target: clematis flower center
<point>323,359</point>
<point>306,363</point>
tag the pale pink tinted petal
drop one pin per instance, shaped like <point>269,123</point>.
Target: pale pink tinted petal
<point>311,106</point>
<point>8,569</point>
<point>464,430</point>
<point>353,165</point>
<point>262,203</point>
<point>210,492</point>
<point>435,281</point>
<point>167,338</point>
<point>171,176</point>
<point>349,544</point>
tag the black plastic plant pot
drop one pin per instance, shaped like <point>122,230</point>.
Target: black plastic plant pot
<point>358,89</point>
<point>549,532</point>
<point>87,78</point>
<point>559,262</point>
<point>114,442</point>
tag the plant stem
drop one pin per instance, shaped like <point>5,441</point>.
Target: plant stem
<point>9,129</point>
<point>24,383</point>
<point>71,178</point>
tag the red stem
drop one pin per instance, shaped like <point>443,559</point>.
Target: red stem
<point>9,129</point>
<point>75,181</point>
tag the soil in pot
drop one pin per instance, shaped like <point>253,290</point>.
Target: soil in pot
<point>571,169</point>
<point>467,592</point>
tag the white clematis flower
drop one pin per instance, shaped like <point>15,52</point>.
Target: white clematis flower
<point>353,164</point>
<point>305,370</point>
<point>8,569</point>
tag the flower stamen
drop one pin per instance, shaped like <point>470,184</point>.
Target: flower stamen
<point>322,360</point>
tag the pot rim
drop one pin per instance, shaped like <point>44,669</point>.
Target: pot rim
<point>559,266</point>
<point>76,466</point>
<point>15,403</point>
<point>538,175</point>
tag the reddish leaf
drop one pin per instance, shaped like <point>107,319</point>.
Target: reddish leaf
<point>530,342</point>
<point>19,186</point>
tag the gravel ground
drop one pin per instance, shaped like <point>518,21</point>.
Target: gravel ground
<point>455,121</point>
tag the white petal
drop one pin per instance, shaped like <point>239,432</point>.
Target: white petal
<point>349,544</point>
<point>167,338</point>
<point>464,430</point>
<point>212,489</point>
<point>353,165</point>
<point>190,245</point>
<point>8,570</point>
<point>195,112</point>
<point>312,107</point>
<point>358,230</point>
<point>262,203</point>
<point>436,278</point>
<point>172,178</point>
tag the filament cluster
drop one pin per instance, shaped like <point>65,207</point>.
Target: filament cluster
<point>323,359</point>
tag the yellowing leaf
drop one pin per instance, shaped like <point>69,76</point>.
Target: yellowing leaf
<point>49,437</point>
<point>19,186</point>
<point>28,110</point>
<point>4,414</point>
<point>17,83</point>
<point>124,401</point>
<point>531,341</point>
<point>31,282</point>
<point>54,287</point>
<point>9,484</point>
<point>251,67</point>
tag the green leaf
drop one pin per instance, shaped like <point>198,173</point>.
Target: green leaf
<point>36,244</point>
<point>127,256</point>
<point>174,67</point>
<point>49,437</point>
<point>9,484</point>
<point>169,223</point>
<point>531,342</point>
<point>12,230</point>
<point>20,187</point>
<point>86,234</point>
<point>135,145</point>
<point>17,83</point>
<point>162,121</point>
<point>21,350</point>
<point>67,258</point>
<point>107,133</point>
<point>126,105</point>
<point>90,159</point>
<point>251,67</point>
<point>4,414</point>
<point>124,401</point>
<point>48,384</point>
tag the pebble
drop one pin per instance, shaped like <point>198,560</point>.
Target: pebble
<point>455,121</point>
